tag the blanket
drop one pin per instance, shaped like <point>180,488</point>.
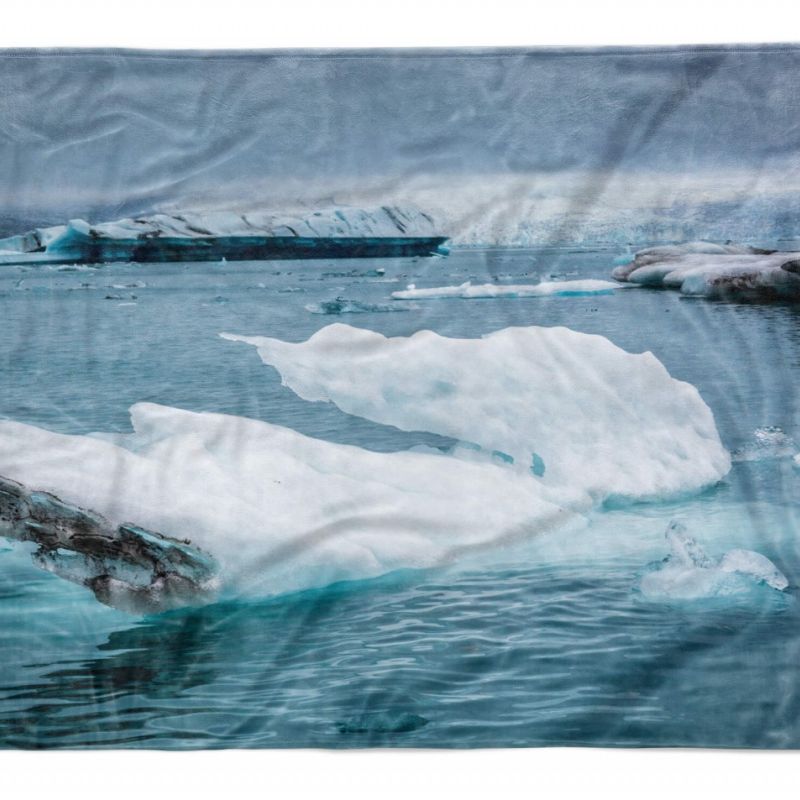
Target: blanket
<point>414,398</point>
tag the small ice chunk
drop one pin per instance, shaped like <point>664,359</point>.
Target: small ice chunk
<point>381,722</point>
<point>688,573</point>
<point>754,565</point>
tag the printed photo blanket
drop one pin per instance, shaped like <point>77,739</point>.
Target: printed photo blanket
<point>414,398</point>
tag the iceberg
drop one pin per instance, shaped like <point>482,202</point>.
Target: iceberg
<point>341,232</point>
<point>467,291</point>
<point>589,420</point>
<point>669,252</point>
<point>191,507</point>
<point>716,271</point>
<point>688,573</point>
<point>235,507</point>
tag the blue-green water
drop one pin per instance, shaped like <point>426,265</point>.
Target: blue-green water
<point>548,643</point>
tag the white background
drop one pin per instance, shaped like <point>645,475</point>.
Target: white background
<point>391,23</point>
<point>493,774</point>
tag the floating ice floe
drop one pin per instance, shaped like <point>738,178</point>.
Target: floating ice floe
<point>468,291</point>
<point>716,271</point>
<point>688,573</point>
<point>669,252</point>
<point>593,421</point>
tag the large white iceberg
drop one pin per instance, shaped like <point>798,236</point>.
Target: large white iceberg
<point>716,271</point>
<point>553,422</point>
<point>277,511</point>
<point>591,420</point>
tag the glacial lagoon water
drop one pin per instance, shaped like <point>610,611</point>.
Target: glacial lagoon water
<point>548,642</point>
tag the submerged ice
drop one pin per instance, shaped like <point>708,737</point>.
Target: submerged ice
<point>342,305</point>
<point>688,573</point>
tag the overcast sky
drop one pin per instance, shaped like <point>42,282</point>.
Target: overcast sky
<point>81,132</point>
